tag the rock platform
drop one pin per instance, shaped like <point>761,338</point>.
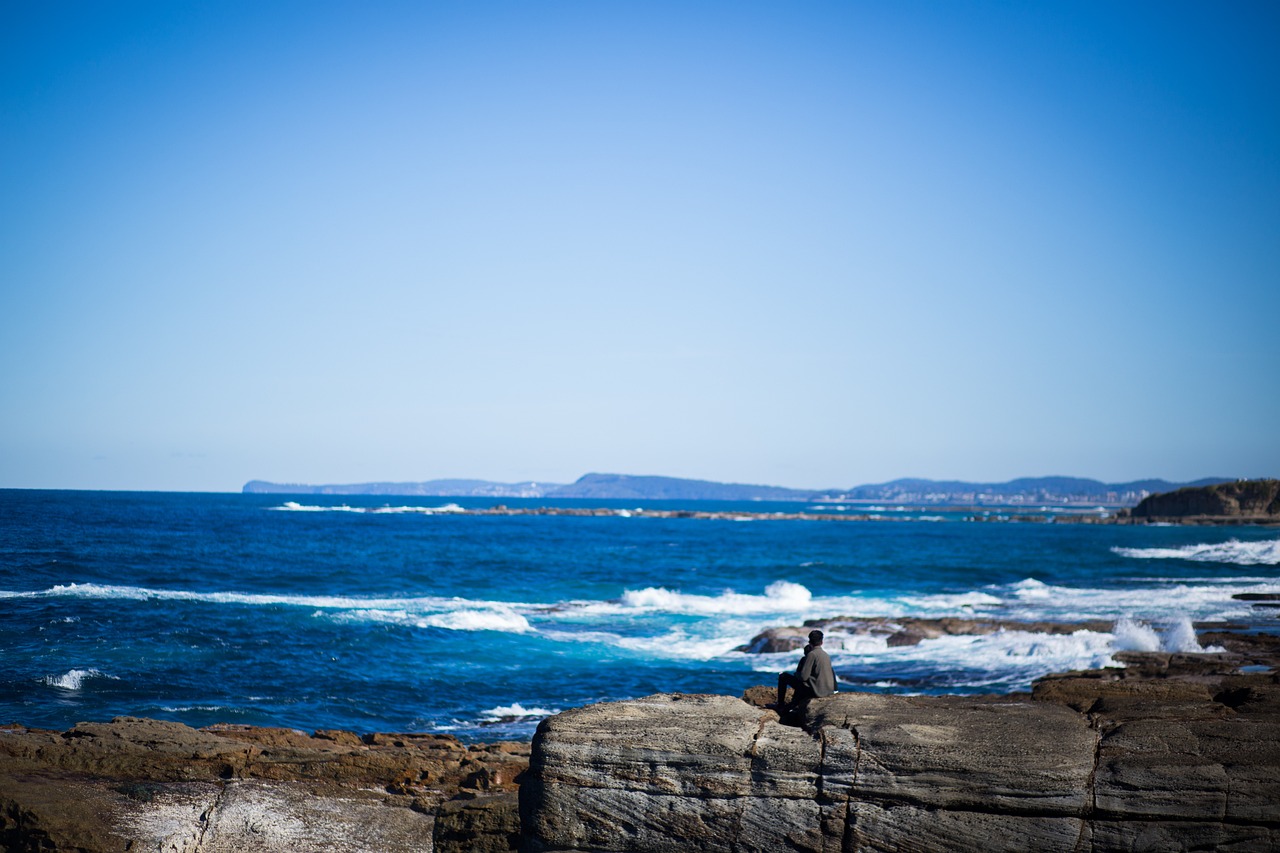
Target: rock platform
<point>1171,752</point>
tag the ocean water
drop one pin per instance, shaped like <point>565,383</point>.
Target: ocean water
<point>376,614</point>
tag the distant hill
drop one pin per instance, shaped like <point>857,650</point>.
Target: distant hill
<point>430,488</point>
<point>626,486</point>
<point>1024,491</point>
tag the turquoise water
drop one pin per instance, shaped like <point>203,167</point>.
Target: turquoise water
<point>377,614</point>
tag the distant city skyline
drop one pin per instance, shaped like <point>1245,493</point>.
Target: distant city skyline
<point>808,245</point>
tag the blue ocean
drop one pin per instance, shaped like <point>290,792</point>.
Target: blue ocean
<point>408,614</point>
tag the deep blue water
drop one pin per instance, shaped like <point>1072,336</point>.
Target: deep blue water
<point>305,612</point>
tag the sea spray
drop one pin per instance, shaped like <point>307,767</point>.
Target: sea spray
<point>1134,636</point>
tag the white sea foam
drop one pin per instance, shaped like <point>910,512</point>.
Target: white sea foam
<point>516,711</point>
<point>1019,650</point>
<point>492,618</point>
<point>340,602</point>
<point>177,709</point>
<point>1262,553</point>
<point>1031,599</point>
<point>1180,636</point>
<point>779,597</point>
<point>294,506</point>
<point>1010,659</point>
<point>435,612</point>
<point>1132,636</point>
<point>74,679</point>
<point>951,602</point>
<point>1176,635</point>
<point>673,644</point>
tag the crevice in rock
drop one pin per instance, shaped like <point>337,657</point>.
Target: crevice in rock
<point>755,740</point>
<point>857,752</point>
<point>847,836</point>
<point>1081,838</point>
<point>1091,790</point>
<point>206,818</point>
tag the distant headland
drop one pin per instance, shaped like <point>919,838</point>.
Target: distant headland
<point>1237,501</point>
<point>1026,491</point>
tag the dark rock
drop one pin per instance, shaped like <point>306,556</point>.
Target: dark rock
<point>901,631</point>
<point>480,825</point>
<point>1239,500</point>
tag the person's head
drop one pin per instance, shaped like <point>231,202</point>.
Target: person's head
<point>815,638</point>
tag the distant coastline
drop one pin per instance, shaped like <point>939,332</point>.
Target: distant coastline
<point>1063,515</point>
<point>1030,492</point>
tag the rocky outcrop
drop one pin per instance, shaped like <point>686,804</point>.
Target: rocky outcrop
<point>138,784</point>
<point>902,631</point>
<point>1174,753</point>
<point>1239,501</point>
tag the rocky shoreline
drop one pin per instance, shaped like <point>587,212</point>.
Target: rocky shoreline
<point>1172,752</point>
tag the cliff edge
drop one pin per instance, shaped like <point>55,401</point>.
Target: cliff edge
<point>1239,501</point>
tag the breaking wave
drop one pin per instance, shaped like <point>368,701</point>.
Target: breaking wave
<point>1264,553</point>
<point>74,679</point>
<point>1177,635</point>
<point>294,506</point>
<point>514,712</point>
<point>780,596</point>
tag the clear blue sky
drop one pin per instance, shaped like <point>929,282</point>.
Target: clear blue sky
<point>806,244</point>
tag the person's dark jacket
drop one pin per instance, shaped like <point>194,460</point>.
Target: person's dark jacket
<point>816,673</point>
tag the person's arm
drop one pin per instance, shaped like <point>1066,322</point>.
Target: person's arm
<point>808,666</point>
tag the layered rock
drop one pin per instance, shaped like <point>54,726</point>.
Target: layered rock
<point>138,784</point>
<point>1158,756</point>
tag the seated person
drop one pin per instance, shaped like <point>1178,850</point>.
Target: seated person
<point>813,678</point>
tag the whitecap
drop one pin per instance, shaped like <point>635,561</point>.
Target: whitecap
<point>74,679</point>
<point>1261,553</point>
<point>779,596</point>
<point>294,506</point>
<point>516,711</point>
<point>491,618</point>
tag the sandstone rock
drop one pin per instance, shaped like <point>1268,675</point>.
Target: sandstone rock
<point>1174,756</point>
<point>670,772</point>
<point>137,784</point>
<point>480,825</point>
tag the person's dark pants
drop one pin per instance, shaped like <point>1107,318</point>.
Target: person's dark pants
<point>801,694</point>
